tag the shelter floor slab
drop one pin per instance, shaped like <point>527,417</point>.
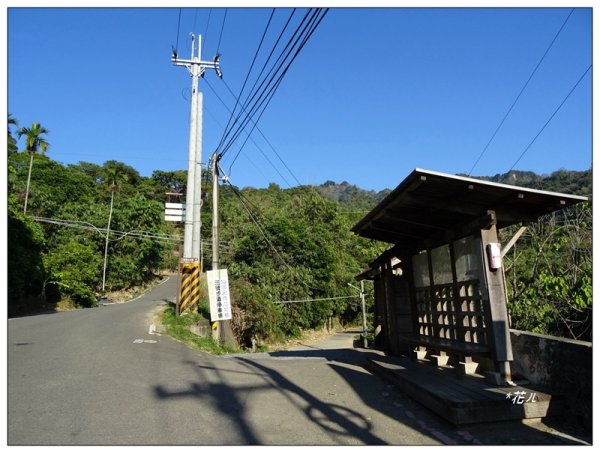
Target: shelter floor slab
<point>467,399</point>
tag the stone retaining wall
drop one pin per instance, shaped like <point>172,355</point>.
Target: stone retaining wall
<point>558,364</point>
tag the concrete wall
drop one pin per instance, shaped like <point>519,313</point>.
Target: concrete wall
<point>558,364</point>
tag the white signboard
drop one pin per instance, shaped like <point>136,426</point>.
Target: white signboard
<point>218,295</point>
<point>174,212</point>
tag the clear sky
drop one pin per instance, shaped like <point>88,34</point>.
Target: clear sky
<point>375,93</point>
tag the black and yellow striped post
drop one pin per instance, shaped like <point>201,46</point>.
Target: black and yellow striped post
<point>189,293</point>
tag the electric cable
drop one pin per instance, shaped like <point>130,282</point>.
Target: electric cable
<point>276,86</point>
<point>520,93</point>
<point>178,25</point>
<point>252,139</point>
<point>315,300</point>
<point>267,240</point>
<point>550,119</point>
<point>206,31</point>
<point>223,137</point>
<point>271,76</point>
<point>266,140</point>
<point>221,34</point>
<point>265,99</point>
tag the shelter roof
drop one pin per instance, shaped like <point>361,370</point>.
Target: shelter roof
<point>430,208</point>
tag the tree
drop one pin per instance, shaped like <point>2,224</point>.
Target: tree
<point>113,177</point>
<point>34,143</point>
<point>12,143</point>
<point>25,244</point>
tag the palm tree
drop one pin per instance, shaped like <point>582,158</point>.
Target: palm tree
<point>34,143</point>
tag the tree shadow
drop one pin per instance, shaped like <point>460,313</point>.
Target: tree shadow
<point>228,399</point>
<point>337,420</point>
<point>510,432</point>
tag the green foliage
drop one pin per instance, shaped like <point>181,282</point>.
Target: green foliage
<point>310,254</point>
<point>48,262</point>
<point>179,328</point>
<point>25,241</point>
<point>12,143</point>
<point>73,268</point>
<point>34,142</point>
<point>549,273</point>
<point>132,259</point>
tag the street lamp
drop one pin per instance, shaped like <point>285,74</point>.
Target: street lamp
<point>364,312</point>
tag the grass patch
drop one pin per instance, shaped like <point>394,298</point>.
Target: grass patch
<point>178,327</point>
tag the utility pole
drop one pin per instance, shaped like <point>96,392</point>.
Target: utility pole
<point>196,68</point>
<point>190,264</point>
<point>364,311</point>
<point>218,332</point>
<point>112,197</point>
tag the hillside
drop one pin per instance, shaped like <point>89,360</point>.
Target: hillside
<point>566,181</point>
<point>351,197</point>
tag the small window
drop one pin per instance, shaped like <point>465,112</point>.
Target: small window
<point>442,265</point>
<point>467,253</point>
<point>420,270</point>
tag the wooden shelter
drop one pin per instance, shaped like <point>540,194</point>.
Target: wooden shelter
<point>439,291</point>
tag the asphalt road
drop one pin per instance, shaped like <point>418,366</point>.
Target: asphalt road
<point>101,377</point>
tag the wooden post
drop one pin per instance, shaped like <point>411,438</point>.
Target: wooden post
<point>497,325</point>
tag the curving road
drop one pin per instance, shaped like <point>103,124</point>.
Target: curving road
<point>101,377</point>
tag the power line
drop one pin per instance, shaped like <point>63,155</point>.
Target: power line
<point>260,91</point>
<point>270,81</point>
<point>138,234</point>
<point>178,24</point>
<point>521,92</point>
<point>305,35</point>
<point>283,261</point>
<point>268,142</point>
<point>252,90</point>
<point>252,139</point>
<point>206,29</point>
<point>250,160</point>
<point>89,227</point>
<point>226,130</point>
<point>315,300</point>
<point>221,34</point>
<point>550,119</point>
<point>60,153</point>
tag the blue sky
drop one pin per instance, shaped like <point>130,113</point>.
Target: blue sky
<point>374,94</point>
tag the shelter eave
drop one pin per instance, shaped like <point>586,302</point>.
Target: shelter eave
<point>430,205</point>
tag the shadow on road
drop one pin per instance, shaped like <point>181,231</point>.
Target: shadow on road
<point>514,432</point>
<point>225,386</point>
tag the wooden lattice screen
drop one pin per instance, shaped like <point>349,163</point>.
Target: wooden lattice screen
<point>453,313</point>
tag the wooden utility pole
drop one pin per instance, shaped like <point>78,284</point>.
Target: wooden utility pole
<point>214,166</point>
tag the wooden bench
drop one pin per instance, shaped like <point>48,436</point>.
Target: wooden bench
<point>461,352</point>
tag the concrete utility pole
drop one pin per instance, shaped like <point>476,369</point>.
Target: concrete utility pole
<point>196,68</point>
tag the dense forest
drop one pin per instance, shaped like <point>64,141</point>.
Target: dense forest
<point>77,232</point>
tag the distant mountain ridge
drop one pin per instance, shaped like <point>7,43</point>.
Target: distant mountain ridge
<point>352,197</point>
<point>565,181</point>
